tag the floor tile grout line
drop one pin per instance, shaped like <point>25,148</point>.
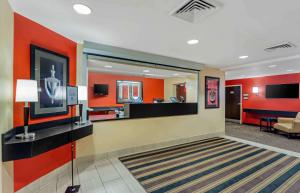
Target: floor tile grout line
<point>120,175</point>
<point>128,173</point>
<point>101,180</point>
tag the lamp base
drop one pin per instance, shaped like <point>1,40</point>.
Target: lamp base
<point>25,136</point>
<point>80,123</point>
<point>73,189</point>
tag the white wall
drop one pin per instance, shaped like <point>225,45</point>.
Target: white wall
<point>6,94</point>
<point>117,135</point>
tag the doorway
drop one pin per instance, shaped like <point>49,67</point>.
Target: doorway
<point>233,106</point>
<point>181,92</point>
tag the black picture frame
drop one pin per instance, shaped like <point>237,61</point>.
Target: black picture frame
<point>215,104</point>
<point>40,59</point>
<point>72,95</point>
<point>117,90</point>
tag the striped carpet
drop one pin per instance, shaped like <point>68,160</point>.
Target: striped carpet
<point>215,165</point>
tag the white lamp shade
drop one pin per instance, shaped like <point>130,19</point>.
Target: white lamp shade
<point>82,93</point>
<point>255,90</point>
<point>27,91</point>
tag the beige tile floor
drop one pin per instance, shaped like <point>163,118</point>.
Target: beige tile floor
<point>102,176</point>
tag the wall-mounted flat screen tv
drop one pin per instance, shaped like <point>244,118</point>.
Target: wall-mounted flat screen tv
<point>101,89</point>
<point>282,91</point>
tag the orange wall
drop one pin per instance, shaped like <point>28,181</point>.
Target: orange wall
<point>152,88</point>
<point>260,101</point>
<point>27,32</point>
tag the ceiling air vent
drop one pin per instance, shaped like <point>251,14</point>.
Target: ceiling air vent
<point>277,47</point>
<point>194,10</point>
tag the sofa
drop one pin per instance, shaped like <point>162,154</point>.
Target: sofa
<point>291,126</point>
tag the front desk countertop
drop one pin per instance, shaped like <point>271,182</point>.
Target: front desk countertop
<point>149,110</point>
<point>97,118</point>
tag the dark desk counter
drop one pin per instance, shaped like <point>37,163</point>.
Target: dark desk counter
<point>100,109</point>
<point>45,140</point>
<point>160,109</point>
<point>98,118</point>
<point>149,110</point>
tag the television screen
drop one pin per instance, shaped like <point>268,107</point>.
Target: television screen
<point>282,91</point>
<point>101,89</point>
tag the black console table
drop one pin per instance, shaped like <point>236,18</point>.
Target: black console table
<point>48,136</point>
<point>269,121</point>
<point>271,112</point>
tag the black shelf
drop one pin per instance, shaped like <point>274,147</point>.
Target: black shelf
<point>46,139</point>
<point>271,112</point>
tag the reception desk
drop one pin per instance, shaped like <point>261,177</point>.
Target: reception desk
<point>160,109</point>
<point>148,110</point>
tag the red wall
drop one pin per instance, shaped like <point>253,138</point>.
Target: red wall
<point>152,88</point>
<point>260,102</point>
<point>27,32</point>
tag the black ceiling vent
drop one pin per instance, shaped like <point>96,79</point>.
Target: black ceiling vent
<point>193,10</point>
<point>282,46</point>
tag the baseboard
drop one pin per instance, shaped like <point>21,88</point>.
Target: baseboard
<point>233,120</point>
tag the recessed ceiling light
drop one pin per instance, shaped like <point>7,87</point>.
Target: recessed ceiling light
<point>193,42</point>
<point>290,70</point>
<point>82,9</point>
<point>243,57</point>
<point>146,71</point>
<point>107,66</point>
<point>272,66</point>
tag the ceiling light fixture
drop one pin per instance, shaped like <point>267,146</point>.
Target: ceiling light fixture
<point>272,66</point>
<point>146,71</point>
<point>107,66</point>
<point>82,9</point>
<point>193,42</point>
<point>175,74</point>
<point>290,70</point>
<point>243,57</point>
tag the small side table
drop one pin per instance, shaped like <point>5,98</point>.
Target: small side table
<point>269,121</point>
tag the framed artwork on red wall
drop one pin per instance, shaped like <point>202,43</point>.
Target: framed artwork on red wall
<point>51,71</point>
<point>129,92</point>
<point>212,92</point>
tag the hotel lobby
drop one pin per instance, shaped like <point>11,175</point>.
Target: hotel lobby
<point>153,96</point>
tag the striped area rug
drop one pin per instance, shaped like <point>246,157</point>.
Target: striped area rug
<point>215,165</point>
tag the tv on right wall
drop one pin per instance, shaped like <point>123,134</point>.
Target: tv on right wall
<point>282,91</point>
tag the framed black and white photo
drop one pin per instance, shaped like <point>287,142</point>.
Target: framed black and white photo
<point>72,95</point>
<point>51,71</point>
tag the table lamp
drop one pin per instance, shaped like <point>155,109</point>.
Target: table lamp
<point>26,91</point>
<point>82,96</point>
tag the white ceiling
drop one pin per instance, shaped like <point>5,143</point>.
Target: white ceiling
<point>286,65</point>
<point>133,70</point>
<point>240,27</point>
